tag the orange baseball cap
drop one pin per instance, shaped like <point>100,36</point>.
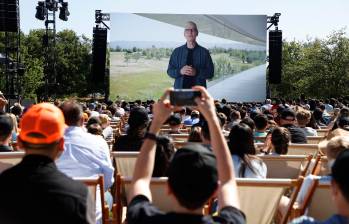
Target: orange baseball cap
<point>44,119</point>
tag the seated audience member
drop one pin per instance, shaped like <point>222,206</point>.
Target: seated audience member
<point>107,129</point>
<point>6,127</point>
<point>318,116</point>
<point>288,120</point>
<point>174,121</point>
<point>35,191</point>
<point>277,141</point>
<point>95,129</point>
<point>249,122</point>
<point>195,134</point>
<point>193,175</point>
<point>339,191</point>
<point>261,122</point>
<point>85,155</point>
<point>137,125</point>
<point>235,118</point>
<point>3,102</point>
<point>243,151</point>
<point>223,121</point>
<point>303,118</point>
<point>194,118</point>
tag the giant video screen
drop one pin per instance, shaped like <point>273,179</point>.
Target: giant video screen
<point>141,45</point>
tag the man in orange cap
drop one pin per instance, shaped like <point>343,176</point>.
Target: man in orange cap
<point>35,191</point>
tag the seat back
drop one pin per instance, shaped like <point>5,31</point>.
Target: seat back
<point>321,206</point>
<point>9,159</point>
<point>259,198</point>
<point>298,149</point>
<point>314,139</point>
<point>125,162</point>
<point>94,185</point>
<point>286,166</point>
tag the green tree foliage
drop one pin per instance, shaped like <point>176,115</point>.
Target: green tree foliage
<point>73,57</point>
<point>317,68</point>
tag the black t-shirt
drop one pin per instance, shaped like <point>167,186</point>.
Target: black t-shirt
<point>5,148</point>
<point>298,135</point>
<point>141,211</point>
<point>189,81</point>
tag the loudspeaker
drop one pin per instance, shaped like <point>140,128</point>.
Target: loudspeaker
<point>99,52</point>
<point>9,20</point>
<point>275,56</point>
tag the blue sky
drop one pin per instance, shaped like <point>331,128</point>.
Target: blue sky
<point>300,19</point>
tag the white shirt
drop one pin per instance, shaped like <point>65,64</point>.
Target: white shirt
<point>86,155</point>
<point>259,167</point>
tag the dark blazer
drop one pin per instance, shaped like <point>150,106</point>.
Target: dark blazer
<point>202,62</point>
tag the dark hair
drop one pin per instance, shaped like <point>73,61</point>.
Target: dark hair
<point>194,135</point>
<point>339,173</point>
<point>163,155</point>
<point>174,120</point>
<point>249,122</point>
<point>138,122</point>
<point>95,129</point>
<point>280,138</point>
<point>72,113</point>
<point>6,126</point>
<point>222,118</point>
<point>261,121</point>
<point>205,132</point>
<point>16,110</point>
<point>241,143</point>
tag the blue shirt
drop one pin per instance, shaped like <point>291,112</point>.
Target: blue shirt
<point>335,219</point>
<point>202,62</point>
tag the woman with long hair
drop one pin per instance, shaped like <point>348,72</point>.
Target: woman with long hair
<point>243,151</point>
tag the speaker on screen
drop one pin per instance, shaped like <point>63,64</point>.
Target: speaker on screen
<point>275,56</point>
<point>99,51</point>
<point>9,16</point>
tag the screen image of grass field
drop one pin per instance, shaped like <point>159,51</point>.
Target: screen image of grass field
<point>141,73</point>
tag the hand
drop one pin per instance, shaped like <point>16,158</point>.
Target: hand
<point>188,70</point>
<point>162,109</point>
<point>205,104</point>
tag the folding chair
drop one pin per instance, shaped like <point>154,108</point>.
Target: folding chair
<point>95,185</point>
<point>314,139</point>
<point>259,198</point>
<point>9,159</point>
<point>286,166</point>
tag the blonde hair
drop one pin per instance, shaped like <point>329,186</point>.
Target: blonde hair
<point>303,117</point>
<point>336,145</point>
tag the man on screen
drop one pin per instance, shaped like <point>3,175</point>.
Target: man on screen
<point>190,64</point>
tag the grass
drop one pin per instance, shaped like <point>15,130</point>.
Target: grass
<point>140,85</point>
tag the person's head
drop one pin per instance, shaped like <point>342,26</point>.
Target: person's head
<point>6,127</point>
<point>105,120</point>
<point>222,119</point>
<point>261,122</point>
<point>174,121</point>
<point>333,147</point>
<point>190,31</point>
<point>287,116</point>
<point>241,140</point>
<point>343,122</point>
<point>249,122</point>
<point>340,183</point>
<point>42,130</point>
<point>17,109</point>
<point>235,115</point>
<point>192,176</point>
<point>205,133</point>
<point>94,129</point>
<point>138,121</point>
<point>303,117</point>
<point>195,114</point>
<point>318,114</point>
<point>195,134</point>
<point>73,113</point>
<point>280,139</point>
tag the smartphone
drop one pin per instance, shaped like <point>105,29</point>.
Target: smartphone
<point>184,97</point>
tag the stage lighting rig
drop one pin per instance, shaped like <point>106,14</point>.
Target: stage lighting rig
<point>101,17</point>
<point>41,11</point>
<point>274,20</point>
<point>64,12</point>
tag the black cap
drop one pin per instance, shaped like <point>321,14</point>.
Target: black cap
<point>192,172</point>
<point>288,114</point>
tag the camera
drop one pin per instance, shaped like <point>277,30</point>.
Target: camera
<point>184,97</point>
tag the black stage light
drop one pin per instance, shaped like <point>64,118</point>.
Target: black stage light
<point>64,12</point>
<point>41,11</point>
<point>51,5</point>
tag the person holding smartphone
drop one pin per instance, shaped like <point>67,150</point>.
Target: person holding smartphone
<point>190,64</point>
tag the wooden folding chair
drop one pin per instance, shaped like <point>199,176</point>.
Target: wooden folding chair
<point>318,201</point>
<point>298,149</point>
<point>322,132</point>
<point>286,166</point>
<point>124,162</point>
<point>259,198</point>
<point>179,137</point>
<point>95,185</point>
<point>9,159</point>
<point>314,139</point>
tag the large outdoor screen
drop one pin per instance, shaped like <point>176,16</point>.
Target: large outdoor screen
<point>141,45</point>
